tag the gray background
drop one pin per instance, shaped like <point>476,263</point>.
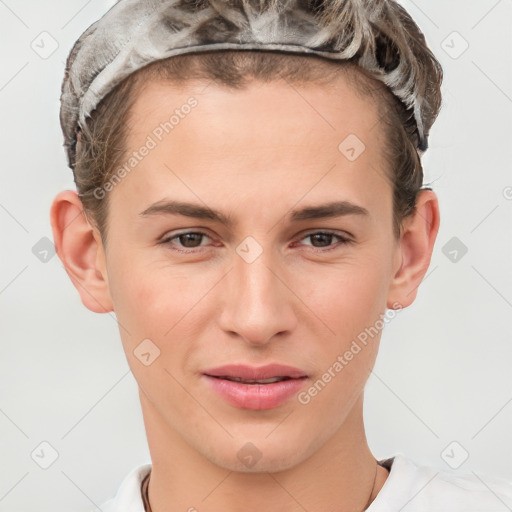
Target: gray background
<point>442,383</point>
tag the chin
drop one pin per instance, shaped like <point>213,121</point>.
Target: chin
<point>260,455</point>
<point>265,464</point>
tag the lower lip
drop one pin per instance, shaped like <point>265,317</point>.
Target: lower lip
<point>256,396</point>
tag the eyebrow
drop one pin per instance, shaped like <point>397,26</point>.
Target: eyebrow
<point>328,210</point>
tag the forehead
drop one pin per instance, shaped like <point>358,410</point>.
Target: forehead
<point>274,141</point>
<point>258,117</point>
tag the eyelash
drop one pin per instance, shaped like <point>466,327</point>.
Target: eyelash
<point>342,241</point>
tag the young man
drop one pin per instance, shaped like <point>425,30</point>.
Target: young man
<point>249,203</point>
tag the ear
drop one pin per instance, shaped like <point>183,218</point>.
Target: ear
<point>414,250</point>
<point>79,247</point>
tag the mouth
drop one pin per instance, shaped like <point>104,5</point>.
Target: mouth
<point>256,388</point>
<point>261,374</point>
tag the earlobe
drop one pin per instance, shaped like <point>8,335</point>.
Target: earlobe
<point>415,249</point>
<point>80,249</point>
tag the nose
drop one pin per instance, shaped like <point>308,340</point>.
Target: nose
<point>258,302</point>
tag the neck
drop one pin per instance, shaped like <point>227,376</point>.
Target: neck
<point>341,475</point>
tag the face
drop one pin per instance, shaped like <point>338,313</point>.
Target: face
<point>280,283</point>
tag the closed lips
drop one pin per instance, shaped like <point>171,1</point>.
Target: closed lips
<point>255,388</point>
<point>256,374</point>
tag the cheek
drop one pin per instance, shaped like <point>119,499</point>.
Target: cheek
<point>351,304</point>
<point>348,298</point>
<point>145,300</point>
<point>155,300</point>
<point>136,293</point>
<point>149,306</point>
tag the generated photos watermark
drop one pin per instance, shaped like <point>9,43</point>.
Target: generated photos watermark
<point>357,345</point>
<point>152,141</point>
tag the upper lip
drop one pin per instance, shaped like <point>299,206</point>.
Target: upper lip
<point>256,372</point>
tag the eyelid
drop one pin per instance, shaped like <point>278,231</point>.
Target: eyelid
<point>326,231</point>
<point>344,239</point>
<point>172,235</point>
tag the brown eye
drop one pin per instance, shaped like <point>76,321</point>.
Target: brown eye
<point>322,240</point>
<point>186,240</point>
<point>190,239</point>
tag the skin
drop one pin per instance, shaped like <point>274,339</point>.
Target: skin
<point>254,154</point>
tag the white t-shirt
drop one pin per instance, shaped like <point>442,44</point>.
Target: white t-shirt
<point>408,488</point>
